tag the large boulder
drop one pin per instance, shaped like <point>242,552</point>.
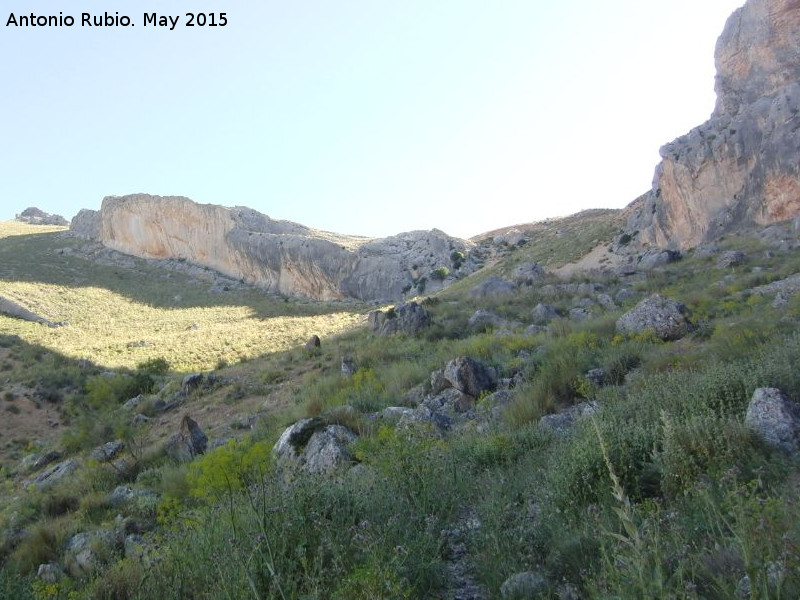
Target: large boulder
<point>408,318</point>
<point>470,376</point>
<point>666,318</point>
<point>189,442</point>
<point>315,447</point>
<point>776,418</point>
<point>492,287</point>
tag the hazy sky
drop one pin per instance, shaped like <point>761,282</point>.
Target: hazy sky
<point>368,117</point>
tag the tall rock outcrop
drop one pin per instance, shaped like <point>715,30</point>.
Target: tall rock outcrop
<point>279,256</point>
<point>742,167</point>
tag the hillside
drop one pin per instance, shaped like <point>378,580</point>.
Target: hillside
<point>568,454</point>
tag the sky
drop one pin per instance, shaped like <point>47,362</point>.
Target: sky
<point>364,117</point>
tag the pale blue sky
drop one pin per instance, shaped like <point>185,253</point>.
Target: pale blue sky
<point>367,117</point>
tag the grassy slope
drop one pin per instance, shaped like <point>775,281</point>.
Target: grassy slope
<point>663,494</point>
<point>119,317</point>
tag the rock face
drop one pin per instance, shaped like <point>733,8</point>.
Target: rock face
<point>741,167</point>
<point>279,256</point>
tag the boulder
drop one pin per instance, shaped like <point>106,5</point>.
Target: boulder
<point>39,460</point>
<point>313,343</point>
<point>597,377</point>
<point>664,317</point>
<point>190,442</point>
<point>776,418</point>
<point>408,318</point>
<point>124,494</point>
<point>108,451</point>
<point>524,586</point>
<point>50,573</point>
<point>483,318</point>
<point>191,383</point>
<point>54,475</point>
<point>348,366</point>
<point>493,287</point>
<point>528,273</point>
<point>730,258</point>
<point>87,552</point>
<point>315,447</point>
<point>470,376</point>
<point>542,314</point>
<point>439,382</point>
<point>563,421</point>
<point>658,258</point>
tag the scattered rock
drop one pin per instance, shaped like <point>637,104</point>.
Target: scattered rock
<point>665,317</point>
<point>108,451</point>
<point>54,474</point>
<point>493,287</point>
<point>124,494</point>
<point>528,273</point>
<point>315,447</point>
<point>189,442</point>
<point>542,314</point>
<point>39,460</point>
<point>596,377</point>
<point>482,319</point>
<point>348,366</point>
<point>658,258</point>
<point>731,258</point>
<point>439,382</point>
<point>523,586</point>
<point>191,383</point>
<point>408,318</point>
<point>563,421</point>
<point>50,573</point>
<point>624,295</point>
<point>776,418</point>
<point>470,376</point>
<point>313,343</point>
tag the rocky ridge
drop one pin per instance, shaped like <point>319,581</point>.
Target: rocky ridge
<point>280,256</point>
<point>739,169</point>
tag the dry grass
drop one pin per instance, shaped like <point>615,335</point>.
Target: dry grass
<point>119,318</point>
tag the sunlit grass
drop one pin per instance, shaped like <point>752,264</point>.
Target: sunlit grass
<point>121,320</point>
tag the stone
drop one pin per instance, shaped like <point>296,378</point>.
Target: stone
<point>140,419</point>
<point>108,451</point>
<point>134,402</point>
<point>39,460</point>
<point>35,216</point>
<point>327,450</point>
<point>596,377</point>
<point>313,343</point>
<point>470,376</point>
<point>523,586</point>
<point>483,319</point>
<point>658,258</point>
<point>776,418</point>
<point>528,273</point>
<point>579,314</point>
<point>348,367</point>
<point>191,383</point>
<point>439,382</point>
<point>624,295</point>
<point>739,168</point>
<point>606,301</point>
<point>562,422</point>
<point>189,443</point>
<point>87,552</point>
<point>451,401</point>
<point>664,317</point>
<point>730,258</point>
<point>295,437</point>
<point>314,447</point>
<point>492,406</point>
<point>134,547</point>
<point>492,287</point>
<point>54,475</point>
<point>542,314</point>
<point>50,573</point>
<point>409,318</point>
<point>278,256</point>
<point>124,494</point>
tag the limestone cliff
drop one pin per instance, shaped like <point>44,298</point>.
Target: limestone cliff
<point>280,256</point>
<point>742,167</point>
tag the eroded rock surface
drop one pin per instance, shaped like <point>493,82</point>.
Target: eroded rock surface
<point>741,167</point>
<point>279,256</point>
